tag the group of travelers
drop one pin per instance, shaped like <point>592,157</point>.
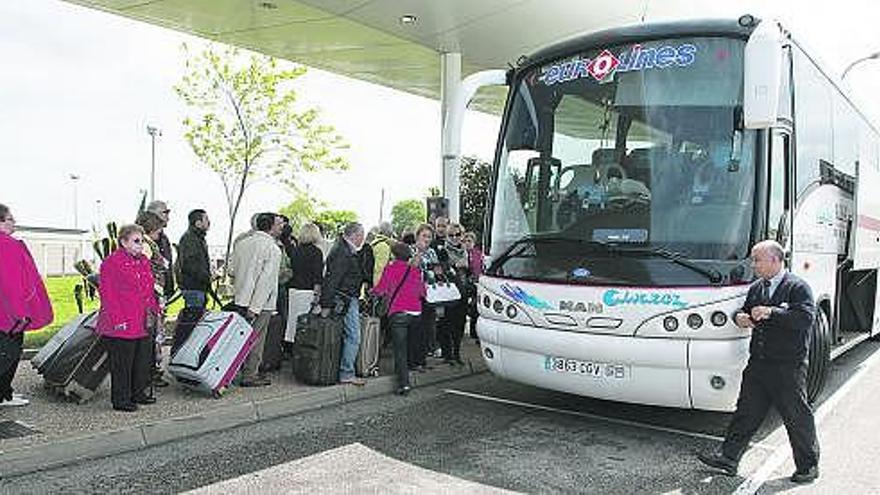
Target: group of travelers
<point>273,272</point>
<point>403,270</point>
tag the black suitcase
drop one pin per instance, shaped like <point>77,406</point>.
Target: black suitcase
<point>75,362</point>
<point>317,349</point>
<point>272,349</point>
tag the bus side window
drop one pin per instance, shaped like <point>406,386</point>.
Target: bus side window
<point>777,206</point>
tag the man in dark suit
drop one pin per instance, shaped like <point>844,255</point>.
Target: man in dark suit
<point>779,309</point>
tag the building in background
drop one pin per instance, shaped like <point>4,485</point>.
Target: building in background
<point>56,250</point>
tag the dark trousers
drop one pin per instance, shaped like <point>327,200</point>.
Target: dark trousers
<point>129,369</point>
<point>10,353</point>
<point>473,314</point>
<point>429,328</point>
<point>416,346</point>
<point>450,330</point>
<point>782,386</point>
<point>404,330</point>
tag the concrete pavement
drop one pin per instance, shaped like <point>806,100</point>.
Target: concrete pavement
<point>69,432</point>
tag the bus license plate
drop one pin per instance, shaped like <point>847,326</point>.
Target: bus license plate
<point>602,371</point>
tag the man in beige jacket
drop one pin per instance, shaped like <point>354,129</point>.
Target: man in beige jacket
<point>254,269</point>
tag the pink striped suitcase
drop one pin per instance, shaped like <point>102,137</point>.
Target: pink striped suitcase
<point>213,353</point>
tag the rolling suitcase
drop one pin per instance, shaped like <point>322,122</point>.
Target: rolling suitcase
<point>272,346</point>
<point>317,349</point>
<point>367,362</point>
<point>210,357</point>
<point>187,319</point>
<point>74,362</point>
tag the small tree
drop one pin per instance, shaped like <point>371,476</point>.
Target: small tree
<point>244,123</point>
<point>334,220</point>
<point>301,210</point>
<point>407,214</point>
<point>476,176</point>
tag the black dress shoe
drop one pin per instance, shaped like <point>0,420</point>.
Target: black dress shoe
<point>807,476</point>
<point>126,407</point>
<point>144,400</point>
<point>404,390</point>
<point>718,460</point>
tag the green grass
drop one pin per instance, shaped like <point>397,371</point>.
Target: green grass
<point>60,291</point>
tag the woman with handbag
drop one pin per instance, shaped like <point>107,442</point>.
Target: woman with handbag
<point>128,304</point>
<point>402,291</point>
<point>450,328</point>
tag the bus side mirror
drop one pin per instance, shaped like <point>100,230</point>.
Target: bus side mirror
<point>762,73</point>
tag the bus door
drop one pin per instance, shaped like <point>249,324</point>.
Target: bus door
<point>780,190</point>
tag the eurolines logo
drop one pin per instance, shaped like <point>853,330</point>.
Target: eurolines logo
<point>636,58</point>
<point>519,295</point>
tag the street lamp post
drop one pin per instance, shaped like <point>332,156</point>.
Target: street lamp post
<point>857,61</point>
<point>153,132</point>
<point>75,179</point>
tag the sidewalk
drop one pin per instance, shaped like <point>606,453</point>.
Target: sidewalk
<point>67,432</point>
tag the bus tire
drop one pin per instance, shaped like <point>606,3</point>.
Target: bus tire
<point>818,355</point>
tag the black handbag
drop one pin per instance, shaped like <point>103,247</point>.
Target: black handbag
<point>384,304</point>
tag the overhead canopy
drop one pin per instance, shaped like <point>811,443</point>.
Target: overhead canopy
<point>367,39</point>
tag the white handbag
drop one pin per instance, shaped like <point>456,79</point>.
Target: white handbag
<point>442,293</point>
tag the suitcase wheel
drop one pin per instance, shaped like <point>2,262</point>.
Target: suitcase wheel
<point>216,394</point>
<point>374,372</point>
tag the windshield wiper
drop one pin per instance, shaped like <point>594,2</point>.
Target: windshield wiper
<point>714,276</point>
<point>519,247</point>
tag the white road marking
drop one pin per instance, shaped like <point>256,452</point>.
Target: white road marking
<point>754,482</point>
<point>606,419</point>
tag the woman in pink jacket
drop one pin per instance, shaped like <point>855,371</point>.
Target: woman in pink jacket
<point>24,304</point>
<point>127,301</point>
<point>402,283</point>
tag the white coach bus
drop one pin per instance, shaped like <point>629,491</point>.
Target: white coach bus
<point>635,169</point>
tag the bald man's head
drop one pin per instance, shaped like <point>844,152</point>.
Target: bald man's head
<point>767,258</point>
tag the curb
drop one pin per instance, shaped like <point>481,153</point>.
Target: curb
<point>68,451</point>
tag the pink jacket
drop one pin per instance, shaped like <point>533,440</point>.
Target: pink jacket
<point>409,297</point>
<point>126,288</point>
<point>475,262</point>
<point>24,303</point>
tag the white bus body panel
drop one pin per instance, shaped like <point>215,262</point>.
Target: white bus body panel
<point>866,254</point>
<point>547,341</point>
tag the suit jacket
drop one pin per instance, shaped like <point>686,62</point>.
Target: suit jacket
<point>785,336</point>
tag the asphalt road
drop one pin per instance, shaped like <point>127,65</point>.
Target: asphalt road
<point>484,430</point>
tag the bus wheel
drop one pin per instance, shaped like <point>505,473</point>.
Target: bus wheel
<point>819,355</point>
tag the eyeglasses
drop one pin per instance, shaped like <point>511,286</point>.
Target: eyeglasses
<point>457,234</point>
<point>137,240</point>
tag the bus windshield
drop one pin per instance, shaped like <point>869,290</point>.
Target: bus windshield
<point>630,146</point>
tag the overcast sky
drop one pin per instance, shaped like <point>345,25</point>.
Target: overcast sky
<point>78,88</point>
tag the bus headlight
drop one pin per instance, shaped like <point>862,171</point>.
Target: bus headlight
<point>670,323</point>
<point>718,318</point>
<point>694,321</point>
<point>498,306</point>
<point>511,312</point>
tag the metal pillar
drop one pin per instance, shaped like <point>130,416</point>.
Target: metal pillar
<point>454,98</point>
<point>450,83</point>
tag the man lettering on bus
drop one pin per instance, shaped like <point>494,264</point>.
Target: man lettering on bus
<point>779,309</point>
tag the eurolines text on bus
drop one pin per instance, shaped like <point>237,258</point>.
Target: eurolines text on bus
<point>606,63</point>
